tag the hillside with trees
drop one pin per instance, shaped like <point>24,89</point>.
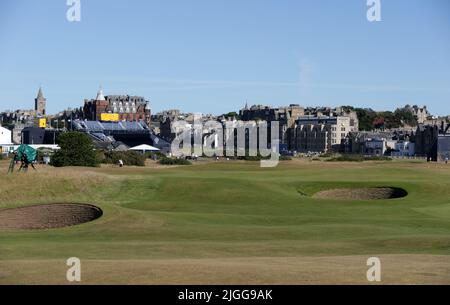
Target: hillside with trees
<point>370,119</point>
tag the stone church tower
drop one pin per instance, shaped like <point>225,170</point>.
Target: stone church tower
<point>39,103</point>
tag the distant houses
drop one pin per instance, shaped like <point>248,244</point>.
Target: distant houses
<point>396,143</point>
<point>117,122</point>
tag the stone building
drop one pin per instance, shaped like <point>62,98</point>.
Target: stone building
<point>335,112</point>
<point>320,134</point>
<point>286,116</point>
<point>313,138</point>
<point>17,133</point>
<point>425,139</point>
<point>420,113</point>
<point>165,124</point>
<point>438,121</point>
<point>269,114</point>
<point>129,108</point>
<point>433,141</point>
<point>40,103</point>
<point>379,142</point>
<point>18,116</point>
<point>443,147</point>
<point>404,149</point>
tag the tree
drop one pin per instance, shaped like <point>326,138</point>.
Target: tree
<point>379,122</point>
<point>231,115</point>
<point>77,149</point>
<point>406,116</point>
<point>366,118</point>
<point>390,120</point>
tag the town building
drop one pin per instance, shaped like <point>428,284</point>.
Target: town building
<point>22,116</point>
<point>5,140</point>
<point>40,103</point>
<point>404,149</point>
<point>379,147</point>
<point>128,108</point>
<point>165,121</point>
<point>433,141</point>
<point>17,132</point>
<point>5,136</point>
<point>320,134</point>
<point>269,114</point>
<point>420,113</point>
<point>335,112</point>
<point>379,143</point>
<point>425,138</point>
<point>285,116</point>
<point>39,136</point>
<point>443,147</point>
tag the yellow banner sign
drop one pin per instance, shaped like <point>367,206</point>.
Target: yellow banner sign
<point>109,117</point>
<point>43,123</point>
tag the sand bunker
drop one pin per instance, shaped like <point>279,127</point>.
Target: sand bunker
<point>49,216</point>
<point>373,193</point>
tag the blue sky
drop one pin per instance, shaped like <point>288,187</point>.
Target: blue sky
<point>211,56</point>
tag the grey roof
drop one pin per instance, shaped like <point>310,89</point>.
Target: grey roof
<point>97,126</point>
<point>40,95</point>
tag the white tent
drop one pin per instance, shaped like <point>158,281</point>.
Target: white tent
<point>144,148</point>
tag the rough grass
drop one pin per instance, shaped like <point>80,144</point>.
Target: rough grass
<point>232,211</point>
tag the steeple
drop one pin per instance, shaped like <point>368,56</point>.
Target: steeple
<point>40,94</point>
<point>40,103</point>
<point>100,96</point>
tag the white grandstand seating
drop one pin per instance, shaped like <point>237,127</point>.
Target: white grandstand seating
<point>96,126</point>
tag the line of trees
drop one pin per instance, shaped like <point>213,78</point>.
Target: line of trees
<point>370,119</point>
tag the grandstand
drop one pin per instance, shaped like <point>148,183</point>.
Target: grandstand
<point>102,127</point>
<point>129,133</point>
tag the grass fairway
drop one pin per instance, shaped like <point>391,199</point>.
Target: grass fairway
<point>233,223</point>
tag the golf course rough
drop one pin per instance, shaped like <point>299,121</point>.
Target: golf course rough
<point>245,224</point>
